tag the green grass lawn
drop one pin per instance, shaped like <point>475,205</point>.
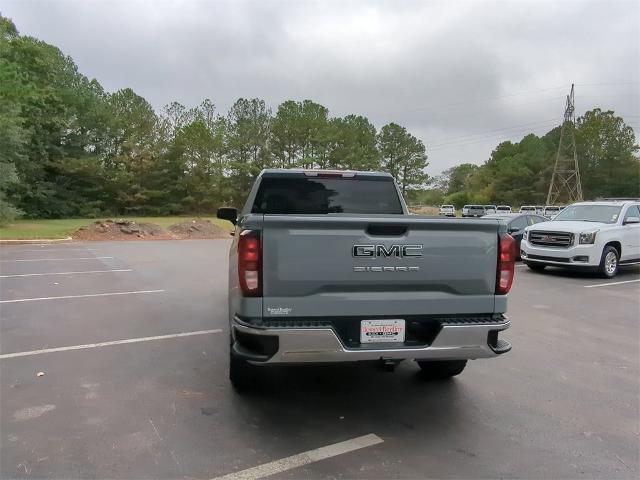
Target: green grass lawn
<point>34,229</point>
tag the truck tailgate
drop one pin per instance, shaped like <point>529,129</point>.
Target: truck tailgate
<point>345,265</point>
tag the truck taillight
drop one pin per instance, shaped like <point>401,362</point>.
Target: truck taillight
<point>250,264</point>
<point>506,263</point>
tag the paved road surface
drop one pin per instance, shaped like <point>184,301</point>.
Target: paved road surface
<point>563,404</point>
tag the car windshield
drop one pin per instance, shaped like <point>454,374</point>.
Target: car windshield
<point>589,213</point>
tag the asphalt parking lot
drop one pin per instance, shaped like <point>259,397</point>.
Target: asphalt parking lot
<point>154,401</point>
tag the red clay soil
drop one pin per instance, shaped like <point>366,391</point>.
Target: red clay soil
<point>197,229</point>
<point>128,230</point>
<point>121,230</point>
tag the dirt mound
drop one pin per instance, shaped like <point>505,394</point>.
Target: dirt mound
<point>121,229</point>
<point>198,228</point>
<point>424,210</point>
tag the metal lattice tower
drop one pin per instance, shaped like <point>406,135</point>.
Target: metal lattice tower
<point>565,185</point>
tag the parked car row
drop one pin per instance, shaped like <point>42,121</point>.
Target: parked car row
<point>482,210</point>
<point>548,211</point>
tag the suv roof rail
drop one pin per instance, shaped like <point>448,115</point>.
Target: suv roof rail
<point>620,199</point>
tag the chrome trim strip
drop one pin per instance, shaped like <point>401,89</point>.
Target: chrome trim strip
<point>561,264</point>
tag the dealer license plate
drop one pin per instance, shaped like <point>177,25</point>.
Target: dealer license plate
<point>378,331</point>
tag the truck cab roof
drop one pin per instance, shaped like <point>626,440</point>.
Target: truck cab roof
<point>315,172</point>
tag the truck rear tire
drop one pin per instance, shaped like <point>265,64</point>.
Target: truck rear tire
<point>536,267</point>
<point>441,369</point>
<point>242,374</point>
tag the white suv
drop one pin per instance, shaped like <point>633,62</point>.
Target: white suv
<point>447,210</point>
<point>490,209</point>
<point>598,235</point>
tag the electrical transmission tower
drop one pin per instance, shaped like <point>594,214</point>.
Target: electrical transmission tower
<point>565,185</point>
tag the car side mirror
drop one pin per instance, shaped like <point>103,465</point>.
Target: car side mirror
<point>631,220</point>
<point>513,229</point>
<point>228,213</point>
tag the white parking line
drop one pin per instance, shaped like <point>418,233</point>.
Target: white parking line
<point>32,242</point>
<point>305,458</point>
<point>611,283</point>
<point>80,296</point>
<point>65,273</point>
<point>107,344</point>
<point>53,259</point>
<point>58,250</point>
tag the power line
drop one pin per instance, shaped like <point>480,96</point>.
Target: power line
<point>500,129</point>
<point>492,138</point>
<point>619,94</point>
<point>539,128</point>
<point>481,111</point>
<point>497,136</point>
<point>466,140</point>
<point>605,83</point>
<point>480,100</point>
<point>466,102</point>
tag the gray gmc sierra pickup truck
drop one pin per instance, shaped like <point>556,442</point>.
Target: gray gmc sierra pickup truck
<point>328,266</point>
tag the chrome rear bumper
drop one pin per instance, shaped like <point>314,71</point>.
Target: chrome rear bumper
<point>321,345</point>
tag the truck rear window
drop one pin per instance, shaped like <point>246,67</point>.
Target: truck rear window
<point>302,195</point>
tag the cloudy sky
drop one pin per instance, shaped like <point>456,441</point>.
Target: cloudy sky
<point>460,75</point>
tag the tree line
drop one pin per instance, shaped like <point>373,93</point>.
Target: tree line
<point>519,173</point>
<point>68,148</point>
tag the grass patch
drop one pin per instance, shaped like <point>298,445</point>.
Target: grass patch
<point>62,228</point>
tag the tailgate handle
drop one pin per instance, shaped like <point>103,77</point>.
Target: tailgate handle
<point>386,230</point>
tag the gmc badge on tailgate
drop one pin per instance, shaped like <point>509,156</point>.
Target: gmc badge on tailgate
<point>377,251</point>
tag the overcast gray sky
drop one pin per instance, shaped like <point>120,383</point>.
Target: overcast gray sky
<point>460,75</point>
